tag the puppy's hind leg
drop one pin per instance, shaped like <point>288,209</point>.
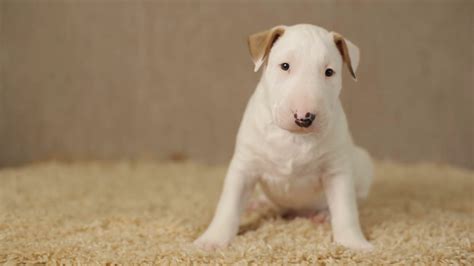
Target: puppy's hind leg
<point>260,201</point>
<point>363,172</point>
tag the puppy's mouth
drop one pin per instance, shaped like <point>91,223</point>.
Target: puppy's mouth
<point>301,130</point>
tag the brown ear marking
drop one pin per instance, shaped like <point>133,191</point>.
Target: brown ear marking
<point>260,43</point>
<point>342,47</point>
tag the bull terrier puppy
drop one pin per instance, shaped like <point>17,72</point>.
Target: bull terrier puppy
<point>294,139</point>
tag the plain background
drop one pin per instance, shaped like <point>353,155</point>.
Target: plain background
<point>103,79</point>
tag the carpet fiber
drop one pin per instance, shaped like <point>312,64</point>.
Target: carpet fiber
<point>148,212</point>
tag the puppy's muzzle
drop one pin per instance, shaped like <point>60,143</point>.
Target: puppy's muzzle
<point>306,121</point>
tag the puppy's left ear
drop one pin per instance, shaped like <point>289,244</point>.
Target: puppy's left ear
<point>261,43</point>
<point>349,52</point>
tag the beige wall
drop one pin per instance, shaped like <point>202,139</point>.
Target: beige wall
<point>120,79</point>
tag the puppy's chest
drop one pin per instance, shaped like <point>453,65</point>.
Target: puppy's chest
<point>290,157</point>
<point>292,174</point>
<point>293,188</point>
<point>290,166</point>
<point>285,168</point>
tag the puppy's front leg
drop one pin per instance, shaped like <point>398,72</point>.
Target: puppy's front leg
<point>238,185</point>
<point>341,198</point>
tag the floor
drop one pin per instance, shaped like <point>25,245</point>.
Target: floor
<point>150,212</point>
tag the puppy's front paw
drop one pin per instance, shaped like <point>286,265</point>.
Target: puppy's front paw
<point>360,244</point>
<point>210,242</point>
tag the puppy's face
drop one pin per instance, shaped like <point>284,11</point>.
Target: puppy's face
<point>302,75</point>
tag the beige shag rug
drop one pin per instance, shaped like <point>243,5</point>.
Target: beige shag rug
<point>149,213</point>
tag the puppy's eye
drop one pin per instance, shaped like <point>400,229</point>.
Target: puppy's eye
<point>329,72</point>
<point>285,66</point>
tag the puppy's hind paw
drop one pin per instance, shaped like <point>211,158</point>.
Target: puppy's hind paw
<point>321,217</point>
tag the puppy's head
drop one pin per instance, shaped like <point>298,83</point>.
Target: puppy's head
<point>302,68</point>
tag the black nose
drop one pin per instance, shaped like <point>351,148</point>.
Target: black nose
<point>306,121</point>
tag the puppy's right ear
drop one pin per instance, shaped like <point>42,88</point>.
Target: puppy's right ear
<point>261,43</point>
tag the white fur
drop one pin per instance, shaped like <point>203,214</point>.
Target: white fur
<point>299,169</point>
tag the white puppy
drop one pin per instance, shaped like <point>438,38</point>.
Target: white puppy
<point>294,139</point>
